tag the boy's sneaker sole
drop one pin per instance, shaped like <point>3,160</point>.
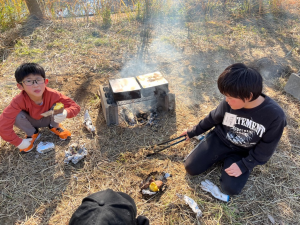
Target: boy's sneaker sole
<point>60,137</point>
<point>64,133</point>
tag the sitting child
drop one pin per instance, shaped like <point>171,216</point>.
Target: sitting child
<point>247,128</point>
<point>26,108</point>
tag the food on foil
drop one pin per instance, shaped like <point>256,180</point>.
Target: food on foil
<point>154,183</point>
<point>193,205</point>
<point>75,153</point>
<point>88,122</point>
<point>146,184</point>
<point>44,147</point>
<point>153,187</point>
<point>159,184</point>
<point>57,109</point>
<point>147,192</point>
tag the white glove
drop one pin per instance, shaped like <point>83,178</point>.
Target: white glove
<point>60,117</point>
<point>214,190</point>
<point>25,143</point>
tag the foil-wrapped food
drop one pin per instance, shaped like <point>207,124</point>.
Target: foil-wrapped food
<point>44,147</point>
<point>88,122</point>
<point>75,153</point>
<point>154,183</point>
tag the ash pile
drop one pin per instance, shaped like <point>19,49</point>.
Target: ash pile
<point>139,100</point>
<point>139,117</point>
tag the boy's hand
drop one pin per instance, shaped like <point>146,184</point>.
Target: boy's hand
<point>184,133</point>
<point>233,170</point>
<point>25,143</point>
<point>58,118</point>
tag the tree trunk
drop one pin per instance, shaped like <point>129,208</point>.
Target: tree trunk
<point>34,8</point>
<point>260,6</point>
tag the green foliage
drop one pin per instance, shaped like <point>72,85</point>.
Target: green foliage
<point>101,42</point>
<point>167,40</point>
<point>22,49</point>
<point>276,6</point>
<point>106,16</point>
<point>139,12</point>
<point>96,34</point>
<point>121,158</point>
<point>11,12</point>
<point>231,213</point>
<point>57,43</point>
<point>60,30</point>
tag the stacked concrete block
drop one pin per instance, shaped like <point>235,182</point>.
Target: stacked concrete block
<point>109,106</point>
<point>146,87</point>
<point>293,85</point>
<point>153,84</point>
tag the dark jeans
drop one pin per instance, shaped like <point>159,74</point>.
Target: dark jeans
<point>212,150</point>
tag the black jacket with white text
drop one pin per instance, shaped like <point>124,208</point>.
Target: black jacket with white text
<point>257,130</point>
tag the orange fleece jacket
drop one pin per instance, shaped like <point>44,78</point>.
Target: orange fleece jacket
<point>22,102</point>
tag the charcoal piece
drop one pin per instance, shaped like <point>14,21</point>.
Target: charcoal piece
<point>108,95</point>
<point>142,114</point>
<point>106,89</point>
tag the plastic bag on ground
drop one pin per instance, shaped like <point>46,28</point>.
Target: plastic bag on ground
<point>193,205</point>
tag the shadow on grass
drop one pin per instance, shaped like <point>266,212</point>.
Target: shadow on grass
<point>33,183</point>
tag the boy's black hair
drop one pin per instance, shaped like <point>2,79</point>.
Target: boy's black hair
<point>28,68</point>
<point>239,81</point>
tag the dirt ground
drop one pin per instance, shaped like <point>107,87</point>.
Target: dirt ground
<point>79,56</point>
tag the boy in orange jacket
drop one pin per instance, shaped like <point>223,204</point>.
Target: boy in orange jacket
<point>26,108</point>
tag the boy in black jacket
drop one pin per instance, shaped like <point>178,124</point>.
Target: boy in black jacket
<point>248,126</point>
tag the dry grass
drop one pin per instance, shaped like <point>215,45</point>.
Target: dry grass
<point>78,57</point>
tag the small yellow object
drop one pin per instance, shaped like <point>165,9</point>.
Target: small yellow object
<point>58,106</point>
<point>153,187</point>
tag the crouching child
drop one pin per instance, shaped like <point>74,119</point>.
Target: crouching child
<point>247,128</point>
<point>25,110</point>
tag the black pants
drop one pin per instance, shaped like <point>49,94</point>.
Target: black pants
<point>212,150</point>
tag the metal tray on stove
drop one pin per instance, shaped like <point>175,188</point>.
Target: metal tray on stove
<point>125,89</point>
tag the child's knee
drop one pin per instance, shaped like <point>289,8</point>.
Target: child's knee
<point>190,169</point>
<point>21,116</point>
<point>230,189</point>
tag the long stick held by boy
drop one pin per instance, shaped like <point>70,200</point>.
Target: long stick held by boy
<point>25,110</point>
<point>247,128</point>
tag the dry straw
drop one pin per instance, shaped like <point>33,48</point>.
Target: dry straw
<point>79,56</point>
